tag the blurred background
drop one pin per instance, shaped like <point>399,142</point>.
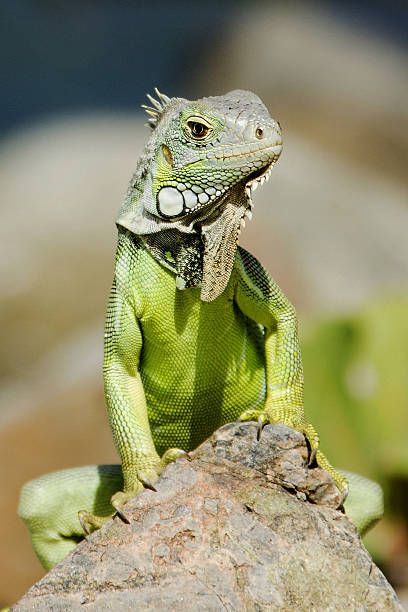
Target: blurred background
<point>331,225</point>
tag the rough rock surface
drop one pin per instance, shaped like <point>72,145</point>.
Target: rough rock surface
<point>231,530</point>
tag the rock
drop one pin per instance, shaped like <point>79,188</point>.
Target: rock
<point>231,530</point>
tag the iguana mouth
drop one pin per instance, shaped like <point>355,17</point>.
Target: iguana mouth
<point>259,176</point>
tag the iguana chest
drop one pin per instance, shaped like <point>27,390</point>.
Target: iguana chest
<point>202,364</point>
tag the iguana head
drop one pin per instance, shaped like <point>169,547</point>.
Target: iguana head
<point>197,172</point>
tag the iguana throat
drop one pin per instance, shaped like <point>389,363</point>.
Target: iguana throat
<point>204,258</point>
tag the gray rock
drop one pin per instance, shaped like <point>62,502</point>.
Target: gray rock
<point>231,530</point>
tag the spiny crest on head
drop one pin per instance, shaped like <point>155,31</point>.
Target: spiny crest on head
<point>158,105</point>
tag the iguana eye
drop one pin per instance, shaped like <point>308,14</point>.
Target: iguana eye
<point>197,129</point>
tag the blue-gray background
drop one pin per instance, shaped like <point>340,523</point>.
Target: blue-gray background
<point>59,56</point>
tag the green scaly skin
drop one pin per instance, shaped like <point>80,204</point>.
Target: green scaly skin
<point>197,332</point>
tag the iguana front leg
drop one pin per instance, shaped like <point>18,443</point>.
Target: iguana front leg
<point>260,298</point>
<point>124,394</point>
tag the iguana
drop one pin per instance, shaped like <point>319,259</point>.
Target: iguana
<point>197,332</point>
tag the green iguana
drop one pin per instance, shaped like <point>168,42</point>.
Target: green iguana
<point>197,332</point>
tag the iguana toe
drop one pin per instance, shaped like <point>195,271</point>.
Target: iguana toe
<point>119,500</point>
<point>91,522</point>
<point>172,454</point>
<point>250,415</point>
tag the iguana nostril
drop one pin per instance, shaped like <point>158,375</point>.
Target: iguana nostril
<point>259,133</point>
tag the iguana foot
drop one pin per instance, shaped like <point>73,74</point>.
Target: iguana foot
<point>144,479</point>
<point>141,479</point>
<point>294,418</point>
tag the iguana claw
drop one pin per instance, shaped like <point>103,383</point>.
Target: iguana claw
<point>119,500</point>
<point>312,457</point>
<point>262,421</point>
<point>146,481</point>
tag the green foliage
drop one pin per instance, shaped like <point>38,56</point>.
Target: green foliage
<point>357,391</point>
